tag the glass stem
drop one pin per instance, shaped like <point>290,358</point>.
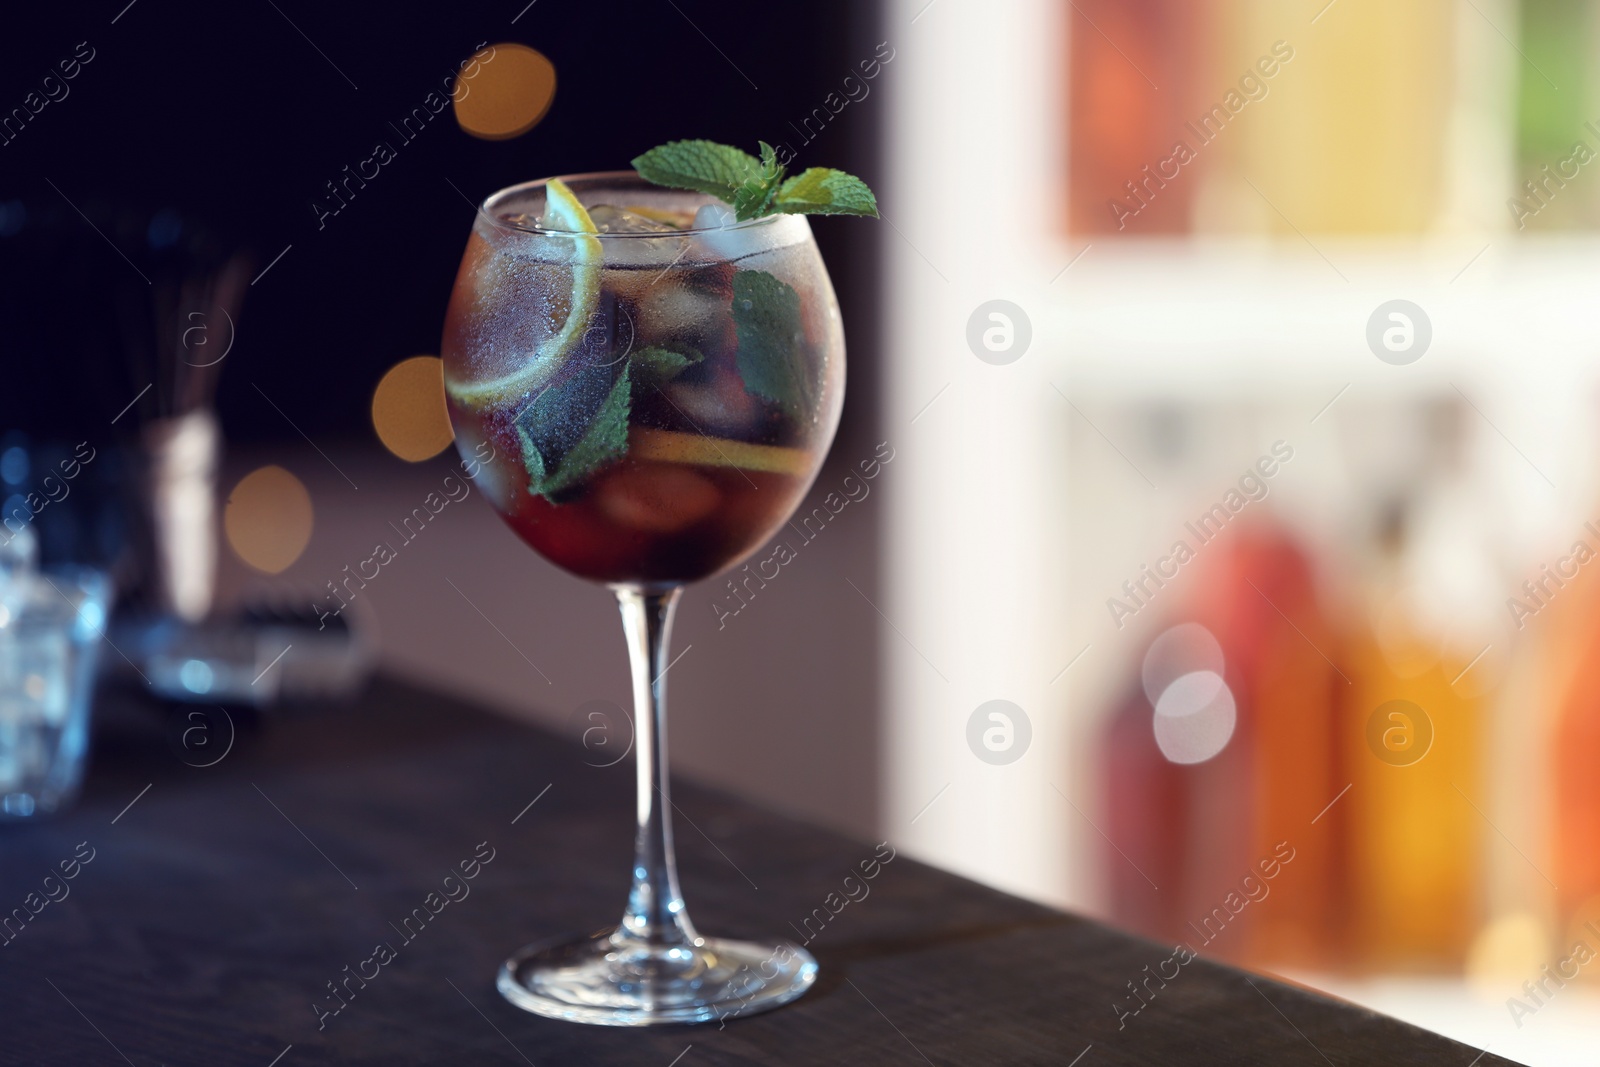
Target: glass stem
<point>656,913</point>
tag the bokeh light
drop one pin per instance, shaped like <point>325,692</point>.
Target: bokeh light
<point>1183,649</point>
<point>1195,717</point>
<point>268,519</point>
<point>503,91</point>
<point>408,409</point>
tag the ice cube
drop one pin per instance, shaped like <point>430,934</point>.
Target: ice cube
<point>610,219</point>
<point>677,218</point>
<point>672,315</point>
<point>521,220</point>
<point>721,406</point>
<point>714,215</point>
<point>721,240</point>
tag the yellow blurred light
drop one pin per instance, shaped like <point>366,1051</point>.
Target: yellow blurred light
<point>503,91</point>
<point>408,409</point>
<point>1506,952</point>
<point>267,519</point>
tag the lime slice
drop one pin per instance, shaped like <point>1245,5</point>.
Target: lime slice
<point>561,208</point>
<point>668,446</point>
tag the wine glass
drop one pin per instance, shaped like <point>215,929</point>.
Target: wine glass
<point>660,383</point>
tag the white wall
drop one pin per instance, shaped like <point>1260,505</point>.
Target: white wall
<point>975,562</point>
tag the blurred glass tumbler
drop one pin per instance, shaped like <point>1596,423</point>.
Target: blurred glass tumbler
<point>50,629</point>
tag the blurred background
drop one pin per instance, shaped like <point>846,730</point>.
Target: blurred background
<point>1273,529</point>
<point>1229,580</point>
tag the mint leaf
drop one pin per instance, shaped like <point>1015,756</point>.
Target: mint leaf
<point>772,343</point>
<point>754,198</point>
<point>559,414</point>
<point>531,458</point>
<point>752,185</point>
<point>706,167</point>
<point>655,366</point>
<point>604,439</point>
<point>825,191</point>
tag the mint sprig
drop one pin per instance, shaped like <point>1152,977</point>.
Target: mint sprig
<point>754,187</point>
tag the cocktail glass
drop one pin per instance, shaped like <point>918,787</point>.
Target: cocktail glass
<point>646,389</point>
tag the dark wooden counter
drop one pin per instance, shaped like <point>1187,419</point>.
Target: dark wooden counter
<point>218,906</point>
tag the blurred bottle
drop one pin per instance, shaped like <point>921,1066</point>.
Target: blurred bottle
<point>1572,660</point>
<point>129,360</point>
<point>1146,866</point>
<point>1295,689</point>
<point>1219,764</point>
<point>1263,607</point>
<point>1123,128</point>
<point>1412,748</point>
<point>1351,136</point>
<point>1556,138</point>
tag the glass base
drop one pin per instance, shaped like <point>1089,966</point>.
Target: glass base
<point>613,979</point>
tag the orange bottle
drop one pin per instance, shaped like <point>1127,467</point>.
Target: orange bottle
<point>1411,742</point>
<point>1264,609</point>
<point>1573,663</point>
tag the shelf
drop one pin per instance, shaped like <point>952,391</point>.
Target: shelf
<point>1166,318</point>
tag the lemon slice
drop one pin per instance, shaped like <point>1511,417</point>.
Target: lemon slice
<point>679,219</point>
<point>668,446</point>
<point>561,207</point>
